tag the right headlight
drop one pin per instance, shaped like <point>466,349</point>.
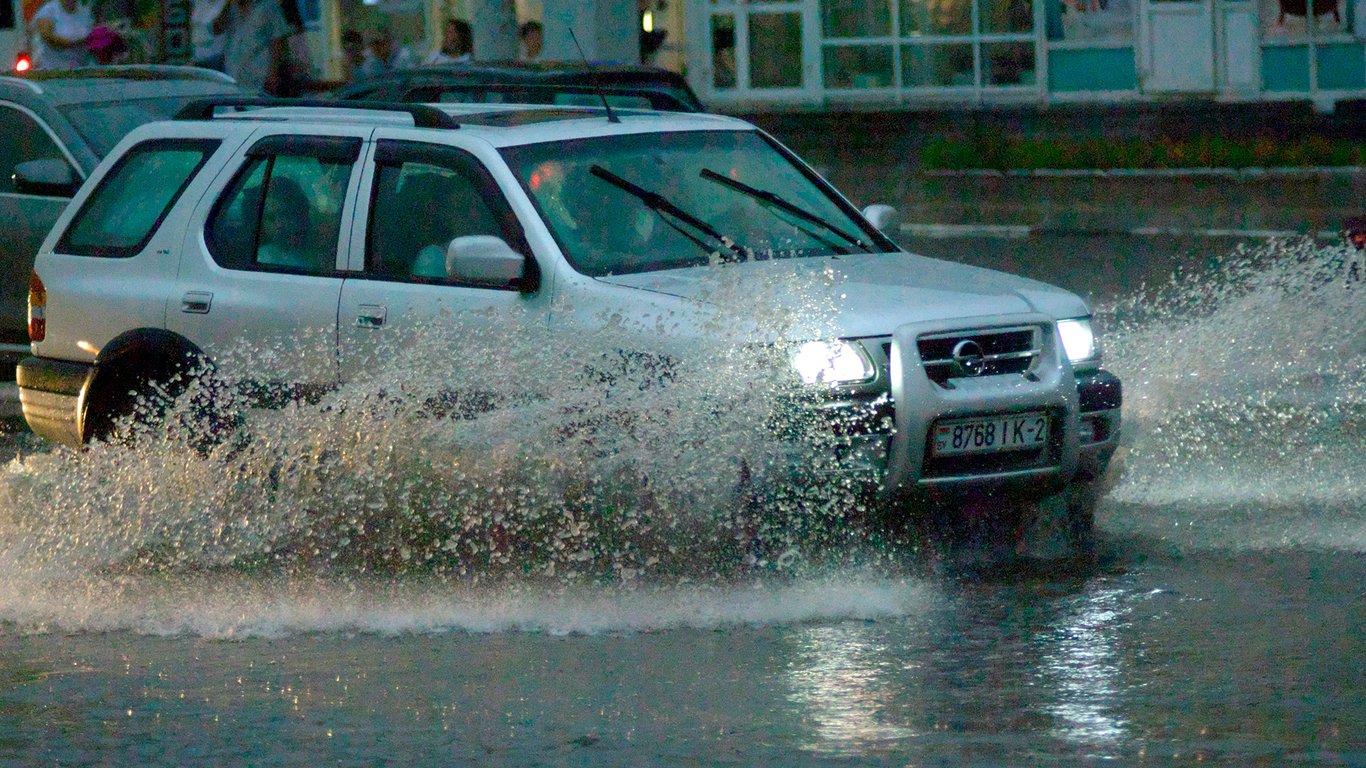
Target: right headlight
<point>1079,340</point>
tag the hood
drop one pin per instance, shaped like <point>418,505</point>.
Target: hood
<point>861,294</point>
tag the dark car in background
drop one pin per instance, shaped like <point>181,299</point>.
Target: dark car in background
<point>561,83</point>
<point>54,127</point>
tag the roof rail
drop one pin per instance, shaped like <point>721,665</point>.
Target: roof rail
<point>424,116</point>
<point>130,72</point>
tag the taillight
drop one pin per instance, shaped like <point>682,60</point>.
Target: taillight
<point>37,308</point>
<point>22,62</point>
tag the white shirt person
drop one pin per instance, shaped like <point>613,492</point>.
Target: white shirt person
<point>62,28</point>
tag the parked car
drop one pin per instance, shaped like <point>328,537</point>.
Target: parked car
<point>971,380</point>
<point>559,83</point>
<point>54,128</point>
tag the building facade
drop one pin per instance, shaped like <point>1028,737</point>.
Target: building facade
<point>802,54</point>
<point>884,52</point>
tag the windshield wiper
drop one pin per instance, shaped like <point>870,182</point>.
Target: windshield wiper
<point>776,201</point>
<point>661,205</point>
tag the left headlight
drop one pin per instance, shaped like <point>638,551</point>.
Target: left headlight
<point>832,362</point>
<point>1079,340</point>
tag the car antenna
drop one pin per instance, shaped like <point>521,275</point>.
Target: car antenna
<point>597,84</point>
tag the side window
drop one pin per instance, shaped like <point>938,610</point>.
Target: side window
<point>133,199</point>
<point>283,210</point>
<point>425,197</point>
<point>22,139</point>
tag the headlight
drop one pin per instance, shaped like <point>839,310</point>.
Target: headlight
<point>1078,340</point>
<point>832,362</point>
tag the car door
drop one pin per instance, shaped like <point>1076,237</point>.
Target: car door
<point>403,306</point>
<point>261,273</point>
<point>26,217</point>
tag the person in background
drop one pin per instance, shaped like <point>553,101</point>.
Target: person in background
<point>457,44</point>
<point>297,76</point>
<point>353,54</point>
<point>62,28</point>
<point>257,51</point>
<point>106,45</point>
<point>384,55</point>
<point>208,44</point>
<point>532,35</point>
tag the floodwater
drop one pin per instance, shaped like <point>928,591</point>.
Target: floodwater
<point>251,607</point>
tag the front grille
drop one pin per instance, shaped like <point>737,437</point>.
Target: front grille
<point>978,352</point>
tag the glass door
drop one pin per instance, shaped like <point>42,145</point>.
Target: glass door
<point>1178,45</point>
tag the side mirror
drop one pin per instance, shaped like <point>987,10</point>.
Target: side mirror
<point>884,217</point>
<point>48,176</point>
<point>484,260</point>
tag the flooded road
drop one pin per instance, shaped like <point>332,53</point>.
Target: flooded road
<point>1154,657</point>
<point>1220,618</point>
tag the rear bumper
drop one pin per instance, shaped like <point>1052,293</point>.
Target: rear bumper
<point>52,394</point>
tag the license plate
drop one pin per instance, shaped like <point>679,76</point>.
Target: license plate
<point>987,434</point>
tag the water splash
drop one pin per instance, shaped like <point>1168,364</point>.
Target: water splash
<point>236,606</point>
<point>505,460</point>
<point>570,488</point>
<point>1245,401</point>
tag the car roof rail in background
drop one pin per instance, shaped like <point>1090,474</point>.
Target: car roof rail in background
<point>424,116</point>
<point>130,72</point>
<point>22,82</point>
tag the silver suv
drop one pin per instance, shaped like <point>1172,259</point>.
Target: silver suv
<point>270,222</point>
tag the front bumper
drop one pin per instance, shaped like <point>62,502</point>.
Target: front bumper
<point>894,450</point>
<point>52,394</point>
<point>1099,395</point>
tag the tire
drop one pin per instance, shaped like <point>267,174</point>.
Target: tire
<point>121,401</point>
<point>1080,500</point>
<point>133,400</point>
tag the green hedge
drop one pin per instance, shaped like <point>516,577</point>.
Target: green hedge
<point>994,151</point>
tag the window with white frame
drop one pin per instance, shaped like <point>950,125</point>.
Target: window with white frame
<point>1090,20</point>
<point>927,44</point>
<point>1310,46</point>
<point>1301,19</point>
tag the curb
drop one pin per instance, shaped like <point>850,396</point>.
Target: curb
<point>1023,231</point>
<point>1122,173</point>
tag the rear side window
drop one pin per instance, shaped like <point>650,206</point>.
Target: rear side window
<point>131,201</point>
<point>282,213</point>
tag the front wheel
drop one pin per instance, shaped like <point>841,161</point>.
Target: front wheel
<point>1079,502</point>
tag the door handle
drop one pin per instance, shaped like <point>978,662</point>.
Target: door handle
<point>371,315</point>
<point>196,302</point>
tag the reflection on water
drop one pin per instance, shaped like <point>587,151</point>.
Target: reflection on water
<point>846,683</point>
<point>1079,661</point>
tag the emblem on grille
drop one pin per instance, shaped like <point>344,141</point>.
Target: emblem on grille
<point>969,357</point>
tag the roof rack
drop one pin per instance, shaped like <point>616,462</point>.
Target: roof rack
<point>424,116</point>
<point>129,72</point>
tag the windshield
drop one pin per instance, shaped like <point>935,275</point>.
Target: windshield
<point>624,204</point>
<point>102,124</point>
